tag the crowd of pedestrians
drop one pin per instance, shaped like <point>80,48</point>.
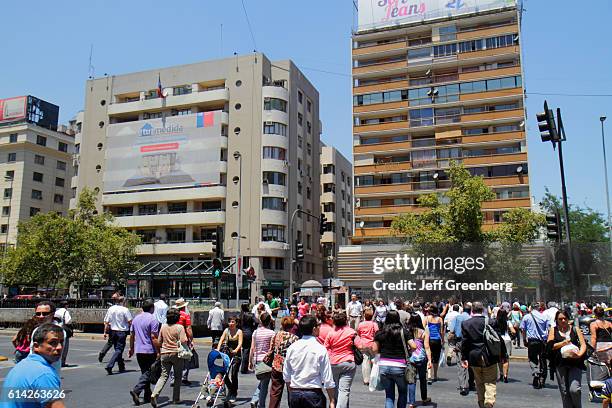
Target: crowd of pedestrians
<point>313,352</point>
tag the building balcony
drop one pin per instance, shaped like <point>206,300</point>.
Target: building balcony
<point>382,168</point>
<point>402,105</point>
<point>390,210</point>
<point>328,197</point>
<point>507,203</point>
<point>386,86</point>
<point>491,73</point>
<point>212,217</point>
<point>488,32</point>
<point>383,188</point>
<point>514,49</point>
<point>175,248</point>
<point>493,137</point>
<point>328,237</point>
<point>156,196</point>
<point>381,127</point>
<point>381,49</point>
<point>382,147</point>
<point>364,233</point>
<point>212,97</point>
<point>330,215</point>
<point>387,68</point>
<point>328,178</point>
<point>502,93</point>
<point>494,115</point>
<point>495,159</point>
<point>507,181</point>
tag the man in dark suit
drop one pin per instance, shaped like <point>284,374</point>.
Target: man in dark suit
<point>474,355</point>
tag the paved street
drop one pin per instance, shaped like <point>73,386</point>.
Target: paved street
<point>87,384</point>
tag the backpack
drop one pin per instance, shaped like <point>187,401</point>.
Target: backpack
<point>492,341</point>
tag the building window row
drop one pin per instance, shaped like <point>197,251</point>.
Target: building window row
<point>274,203</point>
<point>275,104</point>
<point>273,152</point>
<point>275,128</point>
<point>274,177</point>
<point>271,232</point>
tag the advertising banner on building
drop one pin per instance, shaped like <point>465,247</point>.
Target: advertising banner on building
<point>160,153</point>
<point>13,108</point>
<point>387,13</point>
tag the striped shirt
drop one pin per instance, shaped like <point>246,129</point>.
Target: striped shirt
<point>262,338</point>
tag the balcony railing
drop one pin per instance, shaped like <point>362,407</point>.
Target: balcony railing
<point>171,212</point>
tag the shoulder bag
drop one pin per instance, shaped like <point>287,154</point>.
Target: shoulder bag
<point>357,354</point>
<point>410,371</point>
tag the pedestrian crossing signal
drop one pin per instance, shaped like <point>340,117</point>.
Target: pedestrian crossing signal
<point>217,268</point>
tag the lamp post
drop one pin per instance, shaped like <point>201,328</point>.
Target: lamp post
<point>6,242</point>
<point>238,156</point>
<point>603,144</point>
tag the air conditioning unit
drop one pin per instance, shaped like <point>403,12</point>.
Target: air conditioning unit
<point>269,123</point>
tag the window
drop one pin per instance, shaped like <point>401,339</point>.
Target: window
<point>274,177</point>
<point>421,117</point>
<point>59,182</point>
<point>175,235</point>
<point>125,211</point>
<point>419,53</point>
<point>181,90</point>
<point>272,152</point>
<point>275,128</point>
<point>472,87</point>
<point>37,195</point>
<point>34,211</point>
<point>6,210</point>
<point>280,264</point>
<point>61,165</point>
<point>37,177</point>
<point>273,203</point>
<point>275,104</point>
<point>3,228</point>
<point>62,147</point>
<point>180,112</point>
<point>299,188</point>
<point>308,105</point>
<point>41,140</point>
<point>266,263</point>
<point>300,96</point>
<point>8,192</point>
<point>380,97</point>
<point>309,148</point>
<point>448,33</point>
<point>147,209</point>
<point>329,188</point>
<point>469,46</point>
<point>9,174</point>
<point>177,208</point>
<point>309,127</point>
<point>308,193</point>
<point>308,241</point>
<point>13,138</point>
<point>152,115</point>
<point>270,232</point>
<point>445,50</point>
<point>300,118</point>
<point>329,169</point>
<point>58,199</point>
<point>39,159</point>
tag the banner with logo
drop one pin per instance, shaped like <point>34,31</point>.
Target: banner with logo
<point>13,108</point>
<point>384,13</point>
<point>160,153</point>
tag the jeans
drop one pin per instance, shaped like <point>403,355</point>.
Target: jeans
<point>486,379</point>
<point>232,378</point>
<point>169,362</point>
<point>107,346</point>
<point>244,366</point>
<point>422,373</point>
<point>343,374</point>
<point>261,392</point>
<point>65,349</point>
<point>145,360</point>
<point>569,380</point>
<point>391,377</point>
<point>537,362</point>
<point>465,376</point>
<point>307,398</point>
<point>118,340</point>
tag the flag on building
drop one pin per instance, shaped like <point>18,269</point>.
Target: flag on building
<point>160,90</point>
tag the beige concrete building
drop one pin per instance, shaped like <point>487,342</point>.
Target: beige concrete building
<point>229,145</point>
<point>336,204</point>
<point>35,163</point>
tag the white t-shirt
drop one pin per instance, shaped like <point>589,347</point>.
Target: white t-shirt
<point>355,308</point>
<point>450,316</point>
<point>161,308</point>
<point>63,315</point>
<point>119,318</point>
<point>550,316</point>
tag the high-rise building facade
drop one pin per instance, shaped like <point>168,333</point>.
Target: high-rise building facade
<point>336,205</point>
<point>227,147</point>
<point>35,163</point>
<point>435,82</point>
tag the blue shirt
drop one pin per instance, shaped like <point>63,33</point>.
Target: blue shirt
<point>32,373</point>
<point>456,324</point>
<point>535,325</point>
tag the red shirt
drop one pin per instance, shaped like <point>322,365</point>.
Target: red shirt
<point>185,319</point>
<point>366,332</point>
<point>324,330</point>
<point>339,345</point>
<point>303,309</point>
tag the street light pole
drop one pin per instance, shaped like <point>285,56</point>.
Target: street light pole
<point>291,247</point>
<point>603,144</point>
<point>238,156</point>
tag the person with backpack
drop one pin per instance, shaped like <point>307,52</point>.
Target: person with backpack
<point>480,350</point>
<point>535,334</point>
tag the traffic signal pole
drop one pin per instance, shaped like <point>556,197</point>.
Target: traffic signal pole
<point>292,246</point>
<point>562,169</point>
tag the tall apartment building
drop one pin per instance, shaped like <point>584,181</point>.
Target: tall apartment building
<point>229,145</point>
<point>436,81</point>
<point>336,205</point>
<point>35,162</point>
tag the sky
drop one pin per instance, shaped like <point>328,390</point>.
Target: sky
<point>46,49</point>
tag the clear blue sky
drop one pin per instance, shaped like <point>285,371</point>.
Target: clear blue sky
<point>45,50</point>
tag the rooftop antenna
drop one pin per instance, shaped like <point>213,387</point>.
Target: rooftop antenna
<point>91,67</point>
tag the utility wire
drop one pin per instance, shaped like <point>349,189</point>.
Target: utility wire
<point>249,24</point>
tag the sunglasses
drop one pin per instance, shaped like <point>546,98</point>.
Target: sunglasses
<point>42,313</point>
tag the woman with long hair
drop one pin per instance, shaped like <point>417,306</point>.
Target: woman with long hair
<point>505,329</point>
<point>260,347</point>
<point>339,345</point>
<point>21,341</point>
<point>566,346</point>
<point>420,358</point>
<point>435,327</point>
<point>231,343</point>
<point>171,335</point>
<point>601,336</point>
<point>391,342</point>
<point>281,342</point>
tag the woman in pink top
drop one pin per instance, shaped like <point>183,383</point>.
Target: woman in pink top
<point>325,324</point>
<point>303,308</point>
<point>366,331</point>
<point>339,345</point>
<point>261,345</point>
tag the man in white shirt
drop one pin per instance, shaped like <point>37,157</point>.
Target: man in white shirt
<point>161,308</point>
<point>259,301</point>
<point>62,316</point>
<point>355,311</point>
<point>550,314</point>
<point>117,325</point>
<point>216,316</point>
<point>307,368</point>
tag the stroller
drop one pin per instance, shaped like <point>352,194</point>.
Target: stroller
<point>214,388</point>
<point>597,373</point>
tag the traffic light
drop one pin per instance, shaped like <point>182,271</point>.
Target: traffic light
<point>299,251</point>
<point>547,125</point>
<point>323,224</point>
<point>217,268</point>
<point>216,242</point>
<point>553,226</point>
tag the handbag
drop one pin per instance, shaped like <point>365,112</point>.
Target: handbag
<point>375,380</point>
<point>357,354</point>
<point>195,360</point>
<point>184,352</point>
<point>262,370</point>
<point>410,371</point>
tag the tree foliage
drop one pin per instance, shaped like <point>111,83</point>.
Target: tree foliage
<point>84,248</point>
